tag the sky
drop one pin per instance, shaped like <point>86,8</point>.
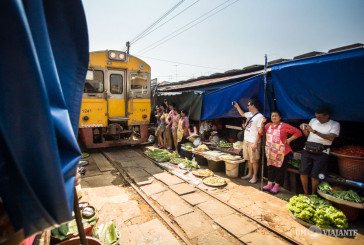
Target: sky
<point>232,34</point>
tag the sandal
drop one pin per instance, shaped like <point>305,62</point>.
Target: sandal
<point>82,163</point>
<point>253,181</point>
<point>246,177</point>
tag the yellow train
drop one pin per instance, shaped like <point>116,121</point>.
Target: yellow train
<point>116,101</point>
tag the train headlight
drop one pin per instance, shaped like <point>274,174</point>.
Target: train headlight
<point>112,55</point>
<point>116,55</point>
<point>86,118</point>
<point>144,116</point>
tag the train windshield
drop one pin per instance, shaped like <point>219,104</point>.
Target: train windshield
<point>94,82</point>
<point>139,83</point>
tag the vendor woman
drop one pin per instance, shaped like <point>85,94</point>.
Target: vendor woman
<point>277,147</point>
<point>182,130</point>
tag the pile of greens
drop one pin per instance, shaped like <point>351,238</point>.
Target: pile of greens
<point>294,163</point>
<point>349,195</point>
<point>317,211</point>
<point>165,156</point>
<point>69,229</point>
<point>188,146</point>
<point>160,155</point>
<point>185,162</point>
<point>224,143</point>
<point>85,154</point>
<point>106,233</point>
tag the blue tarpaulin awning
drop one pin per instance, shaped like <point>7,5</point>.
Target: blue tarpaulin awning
<point>218,104</point>
<point>333,80</point>
<point>44,62</point>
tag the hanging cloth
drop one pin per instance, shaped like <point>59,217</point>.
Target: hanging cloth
<point>44,64</point>
<point>274,147</point>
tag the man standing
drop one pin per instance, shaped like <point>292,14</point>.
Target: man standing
<point>321,131</point>
<point>251,143</point>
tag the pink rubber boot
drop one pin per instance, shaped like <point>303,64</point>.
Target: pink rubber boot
<point>274,190</point>
<point>267,187</point>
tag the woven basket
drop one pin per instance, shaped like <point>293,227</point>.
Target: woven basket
<point>77,241</point>
<point>350,168</point>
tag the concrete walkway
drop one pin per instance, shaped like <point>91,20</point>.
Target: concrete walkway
<point>196,213</point>
<point>205,220</point>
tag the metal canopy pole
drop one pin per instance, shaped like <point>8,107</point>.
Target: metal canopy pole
<point>263,137</point>
<point>76,210</point>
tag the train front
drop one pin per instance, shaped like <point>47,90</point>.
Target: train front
<point>116,100</point>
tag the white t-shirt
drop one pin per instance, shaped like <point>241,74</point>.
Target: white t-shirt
<point>330,127</point>
<point>252,129</point>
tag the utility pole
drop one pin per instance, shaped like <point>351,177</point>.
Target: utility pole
<point>127,47</point>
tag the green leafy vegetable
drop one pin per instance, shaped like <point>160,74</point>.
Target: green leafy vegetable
<point>160,155</point>
<point>185,162</point>
<point>224,143</point>
<point>85,154</point>
<point>325,187</point>
<point>349,195</point>
<point>317,211</point>
<point>69,229</point>
<point>107,233</point>
<point>294,163</point>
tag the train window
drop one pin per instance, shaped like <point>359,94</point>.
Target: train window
<point>116,84</point>
<point>139,83</point>
<point>95,83</point>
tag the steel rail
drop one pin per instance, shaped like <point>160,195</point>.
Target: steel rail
<point>290,239</point>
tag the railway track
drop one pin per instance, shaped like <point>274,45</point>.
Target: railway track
<point>257,228</point>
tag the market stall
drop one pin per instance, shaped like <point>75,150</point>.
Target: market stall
<point>335,80</point>
<point>218,104</point>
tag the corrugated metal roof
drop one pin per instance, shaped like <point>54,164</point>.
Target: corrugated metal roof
<point>356,45</point>
<point>229,75</point>
<point>205,82</point>
<point>310,54</point>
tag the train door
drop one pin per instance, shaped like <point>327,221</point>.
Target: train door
<point>116,95</point>
<point>139,98</point>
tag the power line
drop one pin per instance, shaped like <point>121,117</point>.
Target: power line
<point>162,40</point>
<point>156,22</point>
<point>184,26</point>
<point>180,63</point>
<point>189,27</point>
<point>146,34</point>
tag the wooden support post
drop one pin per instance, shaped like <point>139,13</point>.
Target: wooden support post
<point>76,210</point>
